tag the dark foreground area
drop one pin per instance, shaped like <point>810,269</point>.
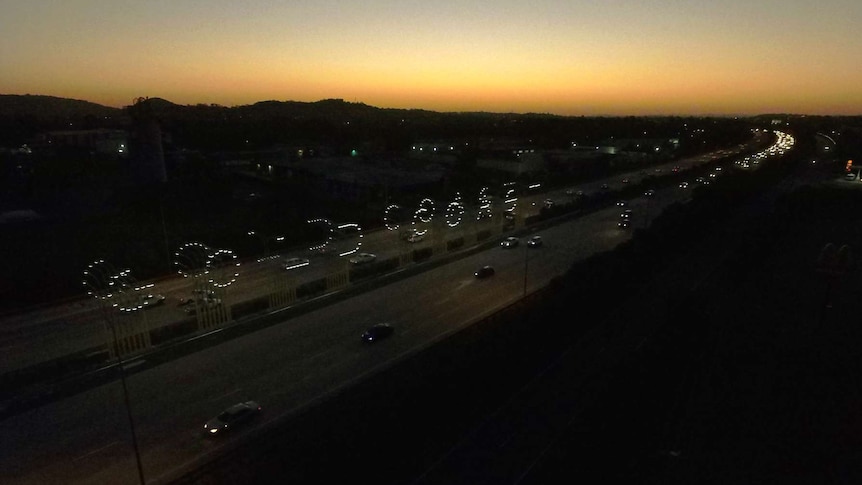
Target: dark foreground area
<point>713,348</point>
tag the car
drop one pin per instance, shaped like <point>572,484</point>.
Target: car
<point>621,203</point>
<point>683,185</point>
<point>363,258</point>
<point>675,169</point>
<point>626,214</point>
<point>605,186</point>
<point>206,303</point>
<point>534,241</point>
<point>484,272</point>
<point>700,180</point>
<point>412,236</point>
<point>294,263</point>
<point>625,180</point>
<point>570,192</point>
<point>549,203</point>
<point>649,193</point>
<point>510,242</point>
<point>850,176</point>
<point>377,332</point>
<point>198,295</point>
<point>231,417</point>
<point>624,223</point>
<point>151,300</point>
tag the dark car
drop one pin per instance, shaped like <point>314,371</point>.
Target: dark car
<point>377,332</point>
<point>535,241</point>
<point>232,416</point>
<point>484,272</point>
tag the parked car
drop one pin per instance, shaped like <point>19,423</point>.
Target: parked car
<point>534,241</point>
<point>510,242</point>
<point>484,272</point>
<point>377,332</point>
<point>363,258</point>
<point>231,417</point>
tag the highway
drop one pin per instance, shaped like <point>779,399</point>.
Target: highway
<point>285,367</point>
<point>85,438</point>
<point>55,331</point>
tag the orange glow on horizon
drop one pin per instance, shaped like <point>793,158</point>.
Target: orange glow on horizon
<point>737,58</point>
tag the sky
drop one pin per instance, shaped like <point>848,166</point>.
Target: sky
<point>567,57</point>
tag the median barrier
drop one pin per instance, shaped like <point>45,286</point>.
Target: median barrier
<point>311,289</point>
<point>173,331</point>
<point>250,307</point>
<point>424,254</point>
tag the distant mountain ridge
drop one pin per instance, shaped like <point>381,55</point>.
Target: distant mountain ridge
<point>50,107</point>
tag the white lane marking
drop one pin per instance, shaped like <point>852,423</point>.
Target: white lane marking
<point>205,335</point>
<point>235,391</point>
<point>97,450</point>
<point>133,364</point>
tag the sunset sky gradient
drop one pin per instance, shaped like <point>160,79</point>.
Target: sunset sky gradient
<point>571,57</point>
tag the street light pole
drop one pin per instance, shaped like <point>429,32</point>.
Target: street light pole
<point>101,280</point>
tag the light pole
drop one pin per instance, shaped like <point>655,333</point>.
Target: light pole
<point>104,282</point>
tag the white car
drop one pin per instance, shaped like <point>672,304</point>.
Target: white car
<point>363,258</point>
<point>294,263</point>
<point>148,301</point>
<point>534,241</point>
<point>510,242</point>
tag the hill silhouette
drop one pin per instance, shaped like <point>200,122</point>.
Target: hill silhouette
<point>51,108</point>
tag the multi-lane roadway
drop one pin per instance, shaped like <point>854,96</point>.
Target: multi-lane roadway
<point>85,438</point>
